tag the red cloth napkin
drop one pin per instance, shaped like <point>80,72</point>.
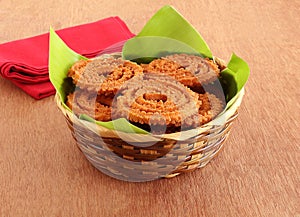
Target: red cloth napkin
<point>25,61</point>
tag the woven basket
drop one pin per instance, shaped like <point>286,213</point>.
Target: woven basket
<point>140,157</point>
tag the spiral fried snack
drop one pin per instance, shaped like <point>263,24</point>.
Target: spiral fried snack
<point>210,107</point>
<point>81,102</point>
<point>86,73</point>
<point>77,69</point>
<point>192,71</point>
<point>103,76</point>
<point>119,76</point>
<point>157,100</point>
<point>204,69</point>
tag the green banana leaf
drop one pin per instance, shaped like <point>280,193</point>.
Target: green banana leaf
<point>120,124</point>
<point>234,78</point>
<point>61,58</point>
<point>167,22</point>
<point>145,49</point>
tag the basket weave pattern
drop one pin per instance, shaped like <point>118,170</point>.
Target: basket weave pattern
<point>139,160</point>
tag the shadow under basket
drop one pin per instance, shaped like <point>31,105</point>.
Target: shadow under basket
<point>145,157</point>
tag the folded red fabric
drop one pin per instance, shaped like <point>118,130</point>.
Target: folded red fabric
<point>25,61</point>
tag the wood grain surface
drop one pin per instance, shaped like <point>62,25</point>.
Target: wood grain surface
<point>42,172</point>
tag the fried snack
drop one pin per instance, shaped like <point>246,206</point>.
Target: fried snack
<point>103,76</point>
<point>171,68</point>
<point>81,102</point>
<point>210,107</point>
<point>119,76</point>
<point>204,69</point>
<point>192,71</point>
<point>77,69</point>
<point>89,73</point>
<point>157,100</point>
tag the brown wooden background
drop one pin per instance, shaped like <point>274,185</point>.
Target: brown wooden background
<point>42,173</point>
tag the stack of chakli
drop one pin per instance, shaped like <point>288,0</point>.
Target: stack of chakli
<point>167,95</point>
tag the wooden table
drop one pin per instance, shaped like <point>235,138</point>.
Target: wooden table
<point>257,173</point>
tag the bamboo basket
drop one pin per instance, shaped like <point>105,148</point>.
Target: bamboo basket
<point>144,157</point>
